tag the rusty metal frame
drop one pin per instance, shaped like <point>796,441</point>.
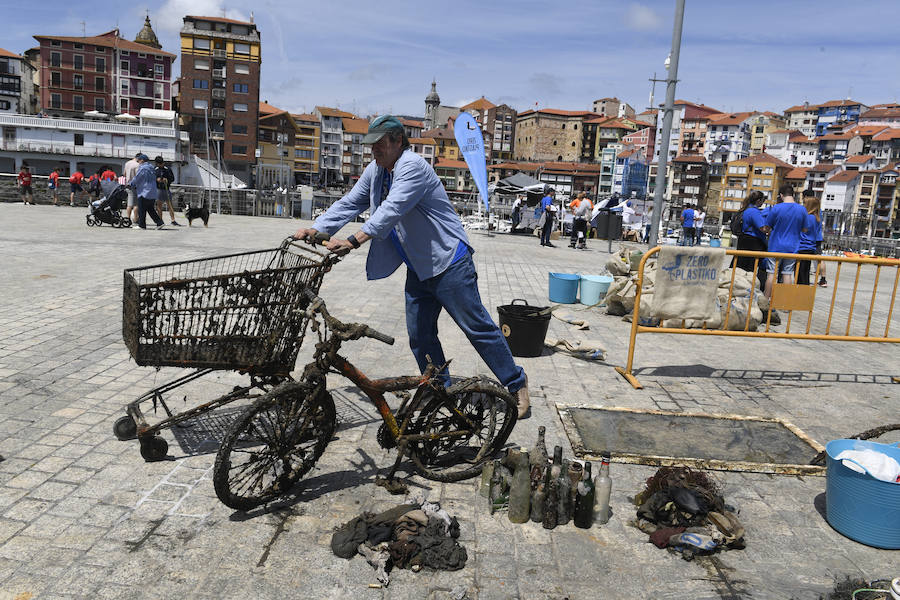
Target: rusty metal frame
<point>628,373</point>
<point>581,450</point>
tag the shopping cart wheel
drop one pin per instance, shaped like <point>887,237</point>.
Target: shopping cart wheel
<point>125,428</point>
<point>154,448</point>
<point>273,444</point>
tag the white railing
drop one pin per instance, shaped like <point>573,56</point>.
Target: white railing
<point>77,125</point>
<point>71,149</point>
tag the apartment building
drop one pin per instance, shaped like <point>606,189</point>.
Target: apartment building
<point>886,206</point>
<point>886,146</point>
<point>498,125</point>
<point>104,73</point>
<point>757,172</point>
<point>331,123</point>
<point>17,92</point>
<point>727,139</point>
<point>550,134</point>
<point>445,143</point>
<point>276,137</point>
<point>424,147</point>
<point>612,107</point>
<point>760,126</point>
<point>837,113</point>
<point>219,90</point>
<point>642,140</point>
<point>356,155</point>
<point>682,109</point>
<point>887,115</point>
<point>687,183</point>
<point>306,149</point>
<point>818,174</point>
<point>803,118</point>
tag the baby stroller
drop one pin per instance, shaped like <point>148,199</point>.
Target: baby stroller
<point>106,209</point>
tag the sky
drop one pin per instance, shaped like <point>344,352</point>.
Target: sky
<point>376,58</point>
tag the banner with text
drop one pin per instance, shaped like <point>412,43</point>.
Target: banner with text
<point>471,145</point>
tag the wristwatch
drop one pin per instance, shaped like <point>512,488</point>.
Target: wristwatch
<point>353,241</point>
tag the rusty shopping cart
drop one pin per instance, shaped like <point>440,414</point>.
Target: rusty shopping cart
<point>243,312</point>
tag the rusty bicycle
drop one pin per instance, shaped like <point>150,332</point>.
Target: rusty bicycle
<point>447,432</point>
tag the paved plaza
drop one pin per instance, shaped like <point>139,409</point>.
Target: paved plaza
<point>83,516</point>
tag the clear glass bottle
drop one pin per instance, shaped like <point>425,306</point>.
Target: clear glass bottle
<point>520,487</point>
<point>583,513</point>
<point>602,490</point>
<point>551,509</point>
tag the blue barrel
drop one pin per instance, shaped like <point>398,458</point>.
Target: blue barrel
<point>859,506</point>
<point>593,288</point>
<point>564,288</point>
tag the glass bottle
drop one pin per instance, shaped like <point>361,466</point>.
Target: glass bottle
<point>584,500</point>
<point>575,471</point>
<point>487,472</point>
<point>602,490</point>
<point>520,487</point>
<point>538,459</point>
<point>564,496</point>
<point>537,498</point>
<point>551,509</point>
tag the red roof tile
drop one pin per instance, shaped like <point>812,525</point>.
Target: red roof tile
<point>844,177</point>
<point>480,104</point>
<point>799,136</point>
<point>822,167</point>
<point>334,112</point>
<point>729,118</point>
<point>763,157</point>
<point>689,158</point>
<point>561,113</point>
<point>801,108</point>
<point>422,140</point>
<point>267,109</point>
<point>412,123</point>
<point>355,125</point>
<point>846,102</point>
<point>797,173</point>
<point>858,159</point>
<point>306,118</point>
<point>218,20</point>
<point>8,54</point>
<point>836,136</point>
<point>448,163</point>
<point>887,134</point>
<point>107,40</point>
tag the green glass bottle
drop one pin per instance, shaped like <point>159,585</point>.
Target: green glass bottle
<point>584,500</point>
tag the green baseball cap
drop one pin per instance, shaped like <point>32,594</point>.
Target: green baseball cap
<point>381,126</point>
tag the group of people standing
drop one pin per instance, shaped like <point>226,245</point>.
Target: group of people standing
<point>148,193</point>
<point>547,214</point>
<point>787,227</point>
<point>692,226</point>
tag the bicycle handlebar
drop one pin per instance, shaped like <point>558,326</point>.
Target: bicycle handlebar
<point>345,330</point>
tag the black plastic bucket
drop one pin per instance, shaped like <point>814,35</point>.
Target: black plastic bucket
<point>524,327</point>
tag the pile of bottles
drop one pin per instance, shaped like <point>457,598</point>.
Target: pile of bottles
<point>552,493</point>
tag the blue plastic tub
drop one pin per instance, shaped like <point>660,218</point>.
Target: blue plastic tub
<point>593,288</point>
<point>859,506</point>
<point>564,288</point>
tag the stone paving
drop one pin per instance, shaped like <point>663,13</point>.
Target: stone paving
<point>83,516</point>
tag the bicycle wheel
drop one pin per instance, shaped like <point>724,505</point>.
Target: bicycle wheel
<point>468,424</point>
<point>273,443</point>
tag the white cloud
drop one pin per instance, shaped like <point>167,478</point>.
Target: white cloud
<point>641,18</point>
<point>170,16</point>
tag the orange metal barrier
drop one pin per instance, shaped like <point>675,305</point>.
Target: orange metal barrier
<point>791,298</point>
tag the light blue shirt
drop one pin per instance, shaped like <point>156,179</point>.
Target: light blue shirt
<point>416,208</point>
<point>144,181</point>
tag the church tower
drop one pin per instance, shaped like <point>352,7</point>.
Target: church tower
<point>146,35</point>
<point>432,101</point>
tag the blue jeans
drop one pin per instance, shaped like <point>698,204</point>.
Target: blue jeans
<point>547,230</point>
<point>456,291</point>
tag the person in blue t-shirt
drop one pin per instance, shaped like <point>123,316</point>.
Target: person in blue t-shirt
<point>687,223</point>
<point>548,209</point>
<point>810,236</point>
<point>752,236</point>
<point>784,223</point>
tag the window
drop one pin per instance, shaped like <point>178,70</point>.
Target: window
<point>124,53</point>
<point>55,100</point>
<point>242,48</point>
<point>240,107</point>
<point>125,87</point>
<point>77,103</point>
<point>160,71</point>
<point>100,49</point>
<point>99,84</point>
<point>201,64</point>
<point>241,69</point>
<point>235,149</point>
<point>201,84</point>
<point>55,43</point>
<point>239,129</point>
<point>157,90</point>
<point>141,55</point>
<point>124,66</point>
<point>158,105</point>
<point>240,30</point>
<point>201,44</point>
<point>78,46</point>
<point>201,104</point>
<point>55,59</point>
<point>78,82</point>
<point>241,88</point>
<point>99,104</point>
<point>100,64</point>
<point>202,25</point>
<point>140,88</point>
<point>78,61</point>
<point>55,78</point>
<point>829,198</point>
<point>123,105</point>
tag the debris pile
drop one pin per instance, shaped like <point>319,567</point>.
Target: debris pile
<point>413,535</point>
<point>683,510</point>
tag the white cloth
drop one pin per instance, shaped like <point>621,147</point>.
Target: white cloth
<point>878,464</point>
<point>686,281</point>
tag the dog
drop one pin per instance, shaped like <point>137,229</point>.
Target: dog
<point>191,213</point>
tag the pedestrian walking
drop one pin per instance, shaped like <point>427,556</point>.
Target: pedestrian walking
<point>76,181</point>
<point>687,225</point>
<point>413,222</point>
<point>53,185</point>
<point>749,226</point>
<point>699,218</point>
<point>547,212</point>
<point>144,186</point>
<point>129,171</point>
<point>784,223</point>
<point>811,236</point>
<point>23,180</point>
<point>516,216</point>
<point>164,178</point>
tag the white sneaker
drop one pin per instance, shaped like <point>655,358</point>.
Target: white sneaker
<point>135,226</point>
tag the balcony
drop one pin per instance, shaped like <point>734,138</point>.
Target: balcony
<point>217,113</point>
<point>217,135</point>
<point>218,93</point>
<point>218,53</point>
<point>218,73</point>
